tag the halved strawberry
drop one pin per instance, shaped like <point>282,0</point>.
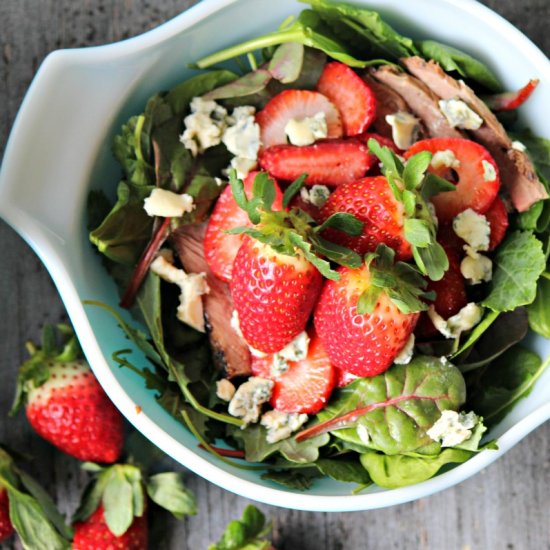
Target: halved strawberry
<point>273,294</point>
<point>476,171</point>
<point>497,216</point>
<point>221,248</point>
<point>328,162</point>
<point>297,104</point>
<point>306,386</point>
<point>351,95</point>
<point>363,344</point>
<point>372,202</point>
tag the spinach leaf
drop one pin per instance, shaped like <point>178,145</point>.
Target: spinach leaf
<point>452,59</point>
<point>539,311</point>
<point>257,449</point>
<point>127,228</point>
<point>300,479</point>
<point>509,329</point>
<point>504,382</point>
<point>343,469</point>
<point>396,471</point>
<point>249,84</point>
<point>391,412</point>
<point>519,262</point>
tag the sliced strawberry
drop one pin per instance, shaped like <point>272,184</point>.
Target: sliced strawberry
<point>306,386</point>
<point>477,176</point>
<point>297,104</point>
<point>273,295</point>
<point>351,95</point>
<point>220,248</point>
<point>509,101</point>
<point>384,141</point>
<point>372,202</point>
<point>497,216</point>
<point>362,344</point>
<point>329,162</point>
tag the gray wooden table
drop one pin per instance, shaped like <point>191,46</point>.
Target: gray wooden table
<point>505,507</point>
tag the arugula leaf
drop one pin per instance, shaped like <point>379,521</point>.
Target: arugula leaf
<point>519,262</point>
<point>452,59</point>
<point>395,408</point>
<point>248,533</point>
<point>504,382</point>
<point>539,311</point>
<point>393,471</point>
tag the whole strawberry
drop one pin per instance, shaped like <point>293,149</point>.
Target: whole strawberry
<point>366,317</point>
<point>113,512</point>
<point>64,402</point>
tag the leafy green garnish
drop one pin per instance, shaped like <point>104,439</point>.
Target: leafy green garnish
<point>297,479</point>
<point>406,183</point>
<point>539,311</point>
<point>248,533</point>
<point>519,262</point>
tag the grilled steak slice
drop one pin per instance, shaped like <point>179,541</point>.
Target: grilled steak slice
<point>516,169</point>
<point>230,351</point>
<point>421,100</point>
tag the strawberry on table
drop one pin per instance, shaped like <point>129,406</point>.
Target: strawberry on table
<point>477,175</point>
<point>372,202</point>
<point>364,323</point>
<point>297,105</point>
<point>220,248</point>
<point>64,402</point>
<point>305,385</point>
<point>351,95</point>
<point>331,162</point>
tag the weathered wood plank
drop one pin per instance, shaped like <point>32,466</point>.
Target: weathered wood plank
<point>505,507</point>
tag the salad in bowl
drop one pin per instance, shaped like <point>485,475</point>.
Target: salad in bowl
<point>336,237</point>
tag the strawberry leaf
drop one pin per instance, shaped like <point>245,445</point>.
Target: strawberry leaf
<point>118,501</point>
<point>434,259</point>
<point>336,253</point>
<point>292,189</point>
<point>417,232</point>
<point>415,170</point>
<point>344,222</point>
<point>322,265</point>
<point>368,299</point>
<point>433,185</point>
<point>169,492</point>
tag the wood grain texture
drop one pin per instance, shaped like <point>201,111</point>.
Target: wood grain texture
<point>507,506</point>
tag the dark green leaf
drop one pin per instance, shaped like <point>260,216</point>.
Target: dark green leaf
<point>348,471</point>
<point>433,185</point>
<point>336,253</point>
<point>452,59</point>
<point>519,261</point>
<point>321,265</point>
<point>396,471</point>
<point>292,189</point>
<point>539,311</point>
<point>344,222</point>
<point>300,480</point>
<point>368,299</point>
<point>507,380</point>
<point>168,491</point>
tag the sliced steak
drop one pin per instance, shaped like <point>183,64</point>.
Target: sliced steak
<point>230,351</point>
<point>516,169</point>
<point>422,102</point>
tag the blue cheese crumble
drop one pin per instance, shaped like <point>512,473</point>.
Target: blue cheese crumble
<point>204,127</point>
<point>316,195</point>
<point>404,128</point>
<point>467,318</point>
<point>453,428</point>
<point>281,425</point>
<point>249,398</point>
<point>459,115</point>
<point>294,351</point>
<point>307,130</point>
<point>168,204</point>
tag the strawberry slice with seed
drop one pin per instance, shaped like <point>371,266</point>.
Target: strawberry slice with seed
<point>497,216</point>
<point>473,170</point>
<point>221,248</point>
<point>351,95</point>
<point>297,104</point>
<point>306,386</point>
<point>331,163</point>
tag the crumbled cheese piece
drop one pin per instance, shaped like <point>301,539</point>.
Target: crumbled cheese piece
<point>404,128</point>
<point>242,137</point>
<point>294,351</point>
<point>405,355</point>
<point>249,398</point>
<point>363,434</point>
<point>489,172</point>
<point>459,115</point>
<point>219,182</point>
<point>192,287</point>
<point>280,425</point>
<point>168,204</point>
<point>308,130</point>
<point>242,166</point>
<point>518,146</point>
<point>316,195</point>
<point>476,267</point>
<point>468,317</point>
<point>453,428</point>
<point>225,389</point>
<point>473,228</point>
<point>204,127</point>
<point>444,159</point>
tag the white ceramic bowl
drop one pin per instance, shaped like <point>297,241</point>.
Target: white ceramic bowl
<point>60,147</point>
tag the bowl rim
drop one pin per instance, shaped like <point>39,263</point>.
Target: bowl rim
<point>45,246</point>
